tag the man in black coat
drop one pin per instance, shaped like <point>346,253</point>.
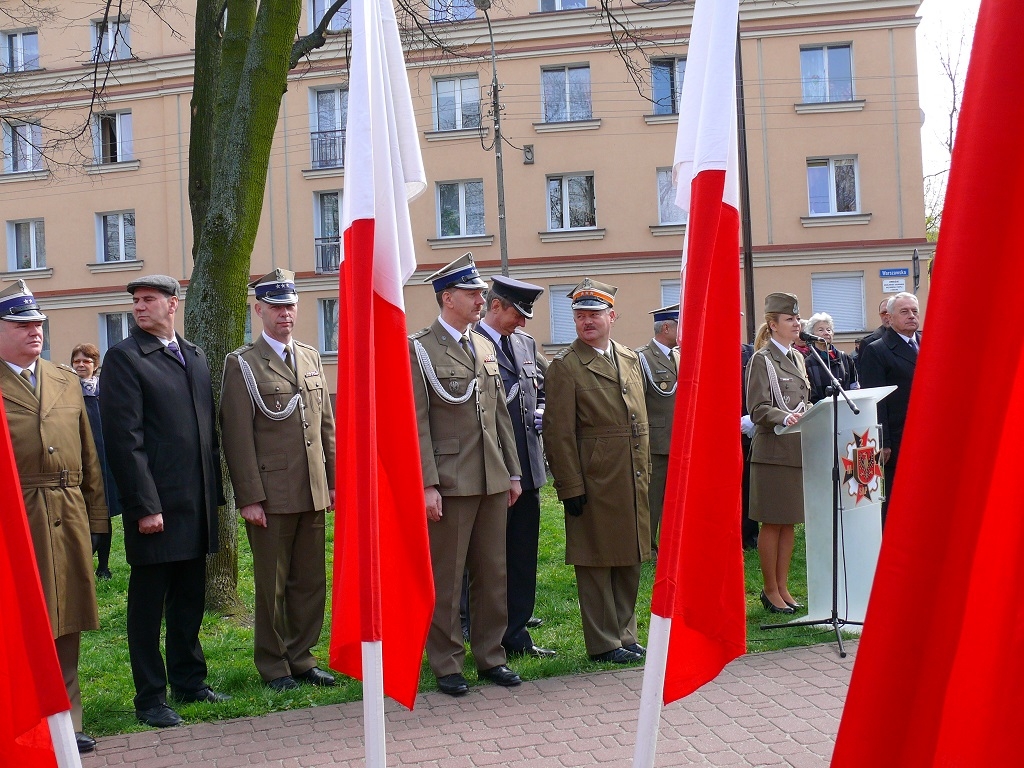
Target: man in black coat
<point>509,306</point>
<point>892,360</point>
<point>161,441</point>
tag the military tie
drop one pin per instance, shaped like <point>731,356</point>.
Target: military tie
<point>467,346</point>
<point>288,360</point>
<point>26,374</point>
<point>173,347</point>
<point>792,356</point>
<point>506,347</point>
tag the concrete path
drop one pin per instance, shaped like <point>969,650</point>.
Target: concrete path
<point>780,708</point>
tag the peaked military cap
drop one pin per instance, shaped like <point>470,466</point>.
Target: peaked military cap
<point>277,287</point>
<point>781,303</point>
<point>163,283</point>
<point>593,295</point>
<point>666,313</point>
<point>522,295</point>
<point>460,273</point>
<point>18,305</point>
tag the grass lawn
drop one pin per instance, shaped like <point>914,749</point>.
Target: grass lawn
<point>107,688</point>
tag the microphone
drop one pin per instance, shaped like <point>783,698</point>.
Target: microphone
<point>804,336</point>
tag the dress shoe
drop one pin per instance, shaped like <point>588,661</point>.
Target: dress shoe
<point>160,716</point>
<point>772,608</point>
<point>453,685</point>
<point>533,622</point>
<point>104,573</point>
<point>206,693</point>
<point>795,604</point>
<point>315,676</point>
<point>284,683</point>
<point>636,648</point>
<point>535,651</point>
<point>501,675</point>
<point>617,656</point>
<point>85,743</point>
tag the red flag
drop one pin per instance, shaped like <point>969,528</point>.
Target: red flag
<point>27,653</point>
<point>383,587</point>
<point>699,580</point>
<point>938,673</point>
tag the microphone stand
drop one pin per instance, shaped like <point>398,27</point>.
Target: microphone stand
<point>834,620</point>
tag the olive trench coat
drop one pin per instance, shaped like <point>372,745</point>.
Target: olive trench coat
<point>51,436</point>
<point>596,439</point>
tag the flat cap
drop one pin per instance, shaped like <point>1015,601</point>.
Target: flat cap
<point>164,283</point>
<point>592,295</point>
<point>277,287</point>
<point>522,295</point>
<point>781,303</point>
<point>461,273</point>
<point>666,313</point>
<point>18,305</point>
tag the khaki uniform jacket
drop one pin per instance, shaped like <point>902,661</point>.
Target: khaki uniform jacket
<point>286,465</point>
<point>660,408</point>
<point>767,447</point>
<point>596,439</point>
<point>52,435</point>
<point>462,454</point>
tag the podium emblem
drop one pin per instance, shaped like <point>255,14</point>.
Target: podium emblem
<point>863,469</point>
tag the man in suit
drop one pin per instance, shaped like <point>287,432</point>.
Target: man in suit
<point>660,362</point>
<point>470,475</point>
<point>509,306</point>
<point>875,335</point>
<point>596,437</point>
<point>161,440</point>
<point>278,430</point>
<point>892,360</point>
<point>61,481</point>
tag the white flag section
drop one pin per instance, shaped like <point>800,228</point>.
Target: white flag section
<point>680,658</point>
<point>65,748</point>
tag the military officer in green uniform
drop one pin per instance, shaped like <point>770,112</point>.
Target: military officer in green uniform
<point>61,481</point>
<point>596,439</point>
<point>660,362</point>
<point>470,477</point>
<point>278,431</point>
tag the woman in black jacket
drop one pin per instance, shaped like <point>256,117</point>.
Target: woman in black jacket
<point>840,363</point>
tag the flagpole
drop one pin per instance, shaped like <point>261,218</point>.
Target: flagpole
<point>373,705</point>
<point>651,694</point>
<point>62,734</point>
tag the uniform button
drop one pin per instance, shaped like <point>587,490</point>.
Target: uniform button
<point>634,417</point>
<point>638,473</point>
<point>623,390</point>
<point>277,389</point>
<point>308,442</point>
<point>51,449</point>
<point>56,523</point>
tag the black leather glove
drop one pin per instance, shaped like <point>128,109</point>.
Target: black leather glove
<point>574,506</point>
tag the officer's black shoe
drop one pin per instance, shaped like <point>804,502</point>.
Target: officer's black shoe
<point>617,656</point>
<point>283,683</point>
<point>501,675</point>
<point>160,716</point>
<point>453,685</point>
<point>85,743</point>
<point>316,676</point>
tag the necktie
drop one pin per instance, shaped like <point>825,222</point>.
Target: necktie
<point>288,359</point>
<point>506,347</point>
<point>26,374</point>
<point>791,356</point>
<point>173,347</point>
<point>914,345</point>
<point>467,346</point>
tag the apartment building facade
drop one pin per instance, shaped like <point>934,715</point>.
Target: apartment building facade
<point>832,132</point>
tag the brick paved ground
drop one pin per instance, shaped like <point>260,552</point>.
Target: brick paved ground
<point>780,708</point>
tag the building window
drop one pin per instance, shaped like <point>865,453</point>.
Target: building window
<point>826,73</point>
<point>114,328</point>
<point>339,21</point>
<point>327,233</point>
<point>327,141</point>
<point>456,103</point>
<point>112,137</point>
<point>667,84</point>
<point>117,236</point>
<point>571,201</point>
<point>840,294</point>
<point>26,244</point>
<point>45,352</point>
<point>563,328</point>
<point>20,51</point>
<point>328,309</point>
<point>110,40</point>
<point>451,10</point>
<point>22,147</point>
<point>561,5</point>
<point>566,94</point>
<point>832,186</point>
<point>668,211</point>
<point>670,292</point>
<point>460,208</point>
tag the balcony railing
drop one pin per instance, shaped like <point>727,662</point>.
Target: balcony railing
<point>328,148</point>
<point>328,253</point>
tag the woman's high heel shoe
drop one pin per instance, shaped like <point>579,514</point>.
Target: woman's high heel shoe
<point>772,608</point>
<point>795,604</point>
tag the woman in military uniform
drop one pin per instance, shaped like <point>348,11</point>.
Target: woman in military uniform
<point>777,394</point>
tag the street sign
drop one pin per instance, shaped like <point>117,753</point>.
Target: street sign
<point>901,272</point>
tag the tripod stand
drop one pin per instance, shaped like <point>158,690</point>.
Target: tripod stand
<point>834,620</point>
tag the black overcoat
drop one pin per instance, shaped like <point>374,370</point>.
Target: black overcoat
<point>890,360</point>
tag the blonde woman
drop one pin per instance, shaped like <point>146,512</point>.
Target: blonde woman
<point>777,394</point>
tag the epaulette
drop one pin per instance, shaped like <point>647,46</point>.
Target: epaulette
<point>644,348</point>
<point>298,343</point>
<point>419,334</point>
<point>563,353</point>
<point>67,367</point>
<point>241,349</point>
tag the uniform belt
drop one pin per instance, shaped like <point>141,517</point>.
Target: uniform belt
<point>632,430</point>
<point>66,478</point>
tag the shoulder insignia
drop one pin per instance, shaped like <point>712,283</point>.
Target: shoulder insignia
<point>68,368</point>
<point>419,334</point>
<point>644,348</point>
<point>563,353</point>
<point>241,349</point>
<point>298,343</point>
